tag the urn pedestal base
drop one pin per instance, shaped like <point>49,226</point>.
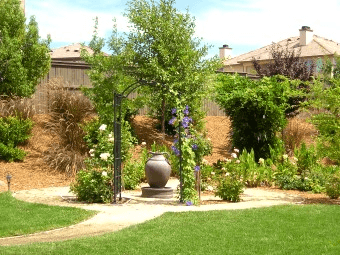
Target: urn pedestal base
<point>165,192</point>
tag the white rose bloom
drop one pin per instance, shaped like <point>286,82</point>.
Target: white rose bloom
<point>143,143</point>
<point>285,156</point>
<point>210,188</point>
<point>212,173</point>
<point>227,174</point>
<point>111,139</point>
<point>91,152</point>
<point>261,161</point>
<point>234,155</point>
<point>238,161</point>
<point>104,156</point>
<point>102,127</point>
<point>236,150</point>
<point>104,173</point>
<point>205,162</point>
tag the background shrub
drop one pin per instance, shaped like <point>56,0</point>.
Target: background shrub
<point>256,110</point>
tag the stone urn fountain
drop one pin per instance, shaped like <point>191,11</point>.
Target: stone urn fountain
<point>157,171</point>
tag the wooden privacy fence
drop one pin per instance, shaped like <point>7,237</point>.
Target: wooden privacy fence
<point>73,75</point>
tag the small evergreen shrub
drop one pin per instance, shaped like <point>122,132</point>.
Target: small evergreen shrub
<point>10,154</point>
<point>13,132</point>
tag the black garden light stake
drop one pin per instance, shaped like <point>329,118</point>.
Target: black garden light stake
<point>9,177</point>
<point>117,172</point>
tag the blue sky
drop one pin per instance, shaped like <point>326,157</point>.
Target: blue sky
<point>244,25</point>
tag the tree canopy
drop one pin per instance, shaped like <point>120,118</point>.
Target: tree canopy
<point>167,52</point>
<point>24,57</point>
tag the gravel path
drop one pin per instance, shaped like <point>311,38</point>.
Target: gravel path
<point>133,210</point>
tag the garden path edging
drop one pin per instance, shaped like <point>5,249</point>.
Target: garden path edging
<point>135,210</point>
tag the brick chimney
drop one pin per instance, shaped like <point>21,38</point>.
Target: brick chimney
<point>23,5</point>
<point>306,35</point>
<point>225,52</point>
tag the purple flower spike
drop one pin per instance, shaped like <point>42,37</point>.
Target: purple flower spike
<point>176,141</point>
<point>189,203</point>
<point>194,147</point>
<point>173,111</point>
<point>175,150</point>
<point>197,168</point>
<point>185,124</point>
<point>172,121</point>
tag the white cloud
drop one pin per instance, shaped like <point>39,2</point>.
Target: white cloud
<point>263,21</point>
<point>251,23</point>
<point>67,23</point>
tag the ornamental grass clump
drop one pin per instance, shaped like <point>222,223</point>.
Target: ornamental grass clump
<point>21,108</point>
<point>68,111</point>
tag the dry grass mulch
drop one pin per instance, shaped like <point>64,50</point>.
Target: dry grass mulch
<point>34,173</point>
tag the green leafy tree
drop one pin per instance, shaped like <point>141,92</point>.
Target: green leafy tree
<point>167,52</point>
<point>24,57</point>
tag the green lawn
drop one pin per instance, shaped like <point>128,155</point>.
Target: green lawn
<point>18,217</point>
<point>299,229</point>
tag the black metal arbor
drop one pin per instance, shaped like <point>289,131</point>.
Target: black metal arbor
<point>117,175</point>
<point>117,101</point>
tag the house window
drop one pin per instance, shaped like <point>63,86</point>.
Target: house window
<point>319,65</point>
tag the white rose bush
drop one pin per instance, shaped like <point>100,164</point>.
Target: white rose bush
<point>94,184</point>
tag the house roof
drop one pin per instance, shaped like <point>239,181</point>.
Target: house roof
<point>319,46</point>
<point>71,52</point>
